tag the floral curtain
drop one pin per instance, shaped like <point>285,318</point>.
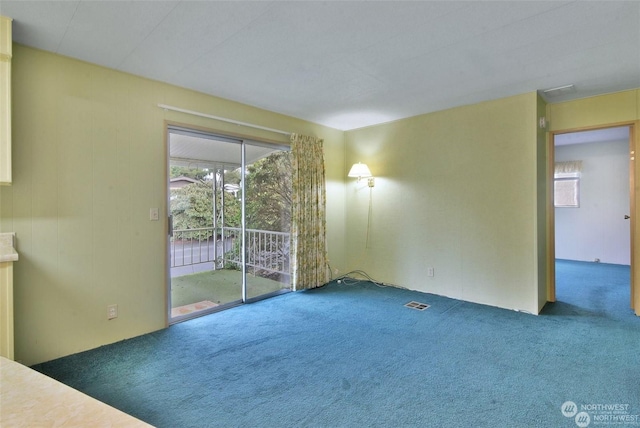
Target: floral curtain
<point>309,264</point>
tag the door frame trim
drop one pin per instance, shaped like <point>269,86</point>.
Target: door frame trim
<point>242,140</point>
<point>634,189</point>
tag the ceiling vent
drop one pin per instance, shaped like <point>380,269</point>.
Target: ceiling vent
<point>560,90</point>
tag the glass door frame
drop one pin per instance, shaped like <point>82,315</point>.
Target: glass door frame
<point>242,142</point>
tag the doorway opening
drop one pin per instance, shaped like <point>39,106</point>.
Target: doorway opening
<point>229,205</point>
<point>593,201</point>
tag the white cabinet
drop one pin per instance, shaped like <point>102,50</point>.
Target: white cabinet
<point>6,310</point>
<point>8,255</point>
<point>5,100</point>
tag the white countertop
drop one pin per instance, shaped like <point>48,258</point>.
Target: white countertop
<point>31,399</point>
<point>8,252</point>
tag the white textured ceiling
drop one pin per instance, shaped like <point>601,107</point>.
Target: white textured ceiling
<point>349,64</point>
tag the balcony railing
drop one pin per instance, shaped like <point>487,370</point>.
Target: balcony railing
<point>267,252</point>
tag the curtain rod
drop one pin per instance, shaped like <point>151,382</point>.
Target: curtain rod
<point>223,119</point>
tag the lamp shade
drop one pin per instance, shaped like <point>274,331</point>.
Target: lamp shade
<point>359,170</point>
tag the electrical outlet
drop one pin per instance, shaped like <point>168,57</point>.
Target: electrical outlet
<point>154,215</point>
<point>112,312</point>
<point>431,272</point>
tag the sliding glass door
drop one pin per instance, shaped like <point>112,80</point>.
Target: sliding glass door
<point>229,221</point>
<point>267,221</point>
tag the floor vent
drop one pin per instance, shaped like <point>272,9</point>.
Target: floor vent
<point>417,306</point>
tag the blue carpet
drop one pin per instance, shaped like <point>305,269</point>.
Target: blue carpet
<point>354,356</point>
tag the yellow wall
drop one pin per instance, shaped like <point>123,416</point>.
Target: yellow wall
<point>455,190</point>
<point>88,163</point>
<point>602,110</point>
<point>458,190</point>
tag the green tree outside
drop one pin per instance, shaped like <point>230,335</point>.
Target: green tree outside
<point>268,202</point>
<point>268,205</point>
<point>191,206</point>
